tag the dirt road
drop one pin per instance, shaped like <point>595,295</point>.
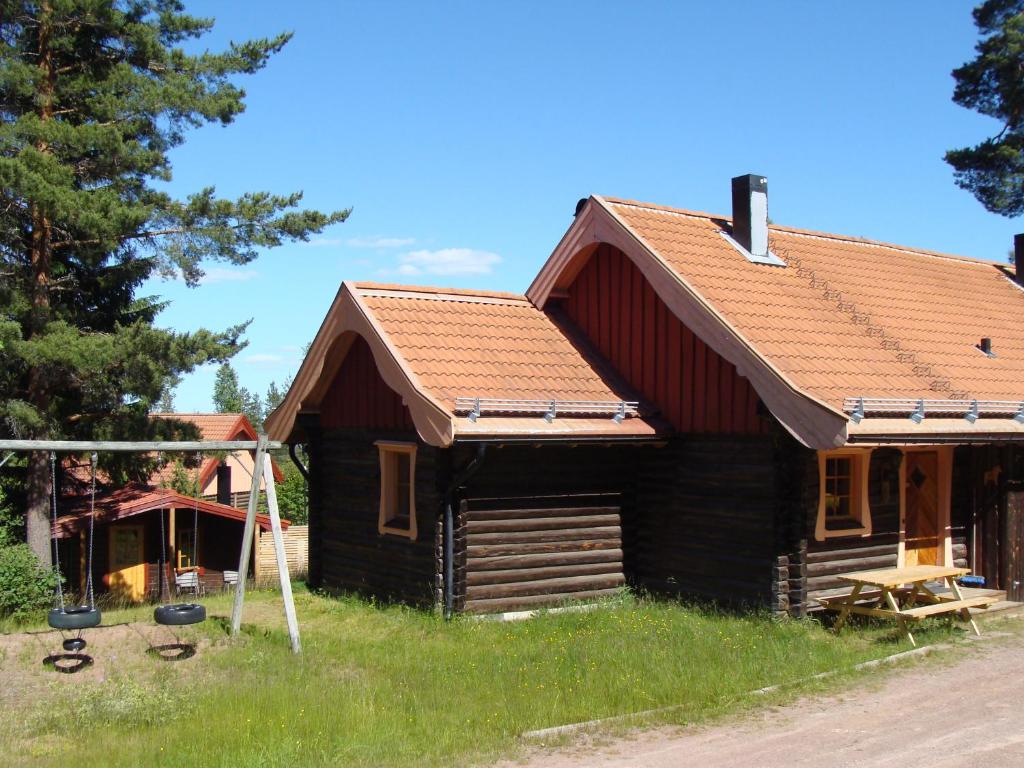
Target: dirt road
<point>943,715</point>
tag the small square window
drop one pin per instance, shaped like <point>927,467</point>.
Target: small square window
<point>397,489</point>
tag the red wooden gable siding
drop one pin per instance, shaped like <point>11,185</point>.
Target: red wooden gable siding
<point>696,389</point>
<point>359,398</point>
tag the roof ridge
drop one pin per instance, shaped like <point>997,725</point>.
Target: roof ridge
<point>438,293</point>
<point>912,250</point>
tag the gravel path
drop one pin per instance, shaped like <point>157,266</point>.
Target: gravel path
<point>943,715</point>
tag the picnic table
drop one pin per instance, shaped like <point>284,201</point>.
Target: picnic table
<point>878,593</point>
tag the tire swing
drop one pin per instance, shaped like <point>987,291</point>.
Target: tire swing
<point>178,614</point>
<point>72,618</point>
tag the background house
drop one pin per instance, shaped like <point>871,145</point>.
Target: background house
<point>225,479</point>
<point>690,403</point>
<point>201,532</point>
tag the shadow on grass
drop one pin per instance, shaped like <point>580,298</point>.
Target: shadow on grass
<point>172,651</point>
<point>67,663</point>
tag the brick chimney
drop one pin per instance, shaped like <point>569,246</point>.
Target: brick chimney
<point>224,484</point>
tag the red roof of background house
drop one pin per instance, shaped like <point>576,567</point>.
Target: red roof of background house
<point>212,426</point>
<point>135,500</point>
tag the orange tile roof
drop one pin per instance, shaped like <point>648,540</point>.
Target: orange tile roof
<point>489,345</point>
<point>849,317</point>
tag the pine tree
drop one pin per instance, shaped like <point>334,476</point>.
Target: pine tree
<point>993,84</point>
<point>229,396</point>
<point>227,392</point>
<point>93,96</point>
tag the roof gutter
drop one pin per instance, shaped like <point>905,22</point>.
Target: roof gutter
<point>979,439</point>
<point>303,469</point>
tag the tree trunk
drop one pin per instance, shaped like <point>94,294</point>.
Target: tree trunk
<point>37,512</point>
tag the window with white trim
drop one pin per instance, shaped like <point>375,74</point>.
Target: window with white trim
<point>397,489</point>
<point>843,506</point>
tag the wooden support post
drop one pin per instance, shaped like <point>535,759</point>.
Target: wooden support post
<point>850,601</point>
<point>172,539</point>
<point>282,561</point>
<point>247,535</point>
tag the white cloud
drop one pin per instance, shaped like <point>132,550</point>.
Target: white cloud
<point>375,241</point>
<point>227,275</point>
<point>447,261</point>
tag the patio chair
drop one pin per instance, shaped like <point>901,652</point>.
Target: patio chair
<point>230,578</point>
<point>188,581</point>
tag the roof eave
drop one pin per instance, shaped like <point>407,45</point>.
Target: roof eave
<point>349,315</point>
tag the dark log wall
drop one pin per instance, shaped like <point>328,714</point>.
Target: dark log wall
<point>705,522</point>
<point>696,389</point>
<point>982,478</point>
<point>528,552</point>
<point>346,552</point>
<point>827,558</point>
<point>359,398</point>
<point>539,526</point>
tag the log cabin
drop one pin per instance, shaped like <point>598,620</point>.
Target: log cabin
<point>691,404</point>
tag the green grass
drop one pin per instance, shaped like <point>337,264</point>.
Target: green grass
<point>400,687</point>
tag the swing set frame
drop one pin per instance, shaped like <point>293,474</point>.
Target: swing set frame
<point>262,470</point>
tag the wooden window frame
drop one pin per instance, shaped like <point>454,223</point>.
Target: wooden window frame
<point>184,549</point>
<point>860,503</point>
<point>388,452</point>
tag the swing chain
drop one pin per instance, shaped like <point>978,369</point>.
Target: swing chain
<point>56,545</point>
<point>93,460</point>
<point>195,515</point>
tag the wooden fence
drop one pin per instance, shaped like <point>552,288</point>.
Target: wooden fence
<point>296,551</point>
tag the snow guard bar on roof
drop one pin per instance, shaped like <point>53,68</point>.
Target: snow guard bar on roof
<point>474,407</point>
<point>917,408</point>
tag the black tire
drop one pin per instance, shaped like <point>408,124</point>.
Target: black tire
<point>74,617</point>
<point>179,614</point>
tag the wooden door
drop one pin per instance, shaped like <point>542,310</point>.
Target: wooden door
<point>1014,558</point>
<point>127,576</point>
<point>922,540</point>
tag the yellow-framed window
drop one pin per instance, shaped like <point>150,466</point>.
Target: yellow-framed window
<point>397,515</point>
<point>843,501</point>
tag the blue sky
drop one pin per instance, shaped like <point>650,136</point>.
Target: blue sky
<point>463,133</point>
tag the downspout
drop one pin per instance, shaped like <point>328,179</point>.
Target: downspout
<point>449,525</point>
<point>298,462</point>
